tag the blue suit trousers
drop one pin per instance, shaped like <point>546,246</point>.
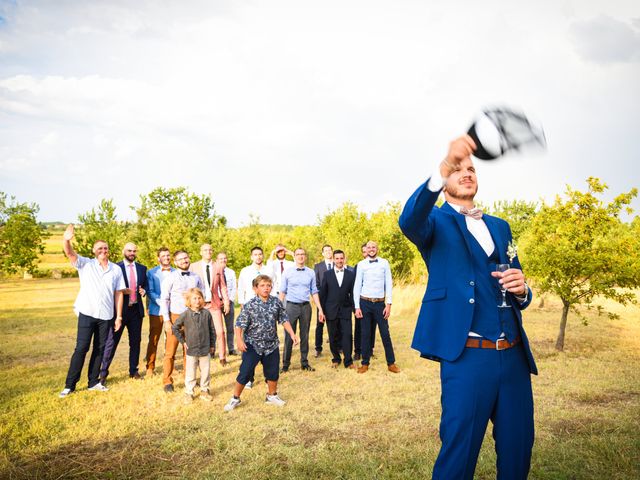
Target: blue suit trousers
<point>483,385</point>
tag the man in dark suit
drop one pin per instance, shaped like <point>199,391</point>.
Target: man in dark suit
<point>320,269</point>
<point>336,297</point>
<point>135,278</point>
<point>485,359</point>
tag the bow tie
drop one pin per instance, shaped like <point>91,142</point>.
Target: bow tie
<point>339,271</point>
<point>300,269</point>
<point>373,261</point>
<point>185,273</point>
<point>473,213</point>
<point>166,269</point>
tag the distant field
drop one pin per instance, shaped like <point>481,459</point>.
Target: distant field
<point>337,424</point>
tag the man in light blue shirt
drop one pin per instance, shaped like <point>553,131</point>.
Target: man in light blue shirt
<point>101,287</point>
<point>372,299</point>
<point>298,284</point>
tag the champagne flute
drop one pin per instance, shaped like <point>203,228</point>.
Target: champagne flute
<point>503,267</point>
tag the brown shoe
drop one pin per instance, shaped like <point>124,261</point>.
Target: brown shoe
<point>363,368</point>
<point>393,368</point>
<point>335,364</point>
<point>352,366</point>
<point>136,376</point>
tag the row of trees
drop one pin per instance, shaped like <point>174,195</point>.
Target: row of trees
<point>577,248</point>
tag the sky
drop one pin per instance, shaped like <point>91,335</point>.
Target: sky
<point>287,109</point>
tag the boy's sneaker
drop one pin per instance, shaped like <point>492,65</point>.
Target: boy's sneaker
<point>65,393</point>
<point>206,396</point>
<point>233,403</point>
<point>98,387</point>
<point>249,384</point>
<point>275,400</point>
<point>188,398</point>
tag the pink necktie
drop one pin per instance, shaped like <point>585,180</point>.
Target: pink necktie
<point>473,213</point>
<point>281,266</point>
<point>133,297</point>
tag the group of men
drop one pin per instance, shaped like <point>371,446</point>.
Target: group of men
<point>465,322</point>
<point>111,300</point>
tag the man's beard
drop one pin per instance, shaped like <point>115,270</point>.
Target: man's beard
<point>455,193</point>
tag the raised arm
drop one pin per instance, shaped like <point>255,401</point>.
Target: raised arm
<point>68,235</point>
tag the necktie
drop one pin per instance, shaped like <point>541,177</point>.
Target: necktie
<point>373,261</point>
<point>300,269</point>
<point>329,266</point>
<point>133,297</point>
<point>185,274</point>
<point>473,213</point>
<point>281,266</point>
<point>208,276</point>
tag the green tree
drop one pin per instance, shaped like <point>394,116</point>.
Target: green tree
<point>345,228</point>
<point>579,249</point>
<point>174,218</point>
<point>518,213</point>
<point>101,223</point>
<point>21,236</point>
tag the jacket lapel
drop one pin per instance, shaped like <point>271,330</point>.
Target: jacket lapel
<point>498,240</point>
<point>462,224</point>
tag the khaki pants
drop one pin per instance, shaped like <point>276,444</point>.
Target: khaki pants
<point>190,373</point>
<point>170,349</point>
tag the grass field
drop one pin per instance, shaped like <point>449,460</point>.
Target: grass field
<point>336,424</point>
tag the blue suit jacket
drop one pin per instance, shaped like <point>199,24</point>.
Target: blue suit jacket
<point>442,238</point>
<point>141,272</point>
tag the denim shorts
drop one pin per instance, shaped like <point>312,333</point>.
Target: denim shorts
<point>251,359</point>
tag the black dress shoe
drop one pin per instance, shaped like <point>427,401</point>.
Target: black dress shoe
<point>168,388</point>
<point>284,369</point>
<point>308,368</point>
<point>136,376</point>
<point>317,353</point>
<point>233,352</point>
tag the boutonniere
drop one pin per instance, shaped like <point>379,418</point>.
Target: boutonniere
<point>512,251</point>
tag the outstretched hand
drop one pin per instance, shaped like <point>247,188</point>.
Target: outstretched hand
<point>69,233</point>
<point>459,149</point>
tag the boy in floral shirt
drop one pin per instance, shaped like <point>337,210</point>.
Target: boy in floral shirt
<point>257,337</point>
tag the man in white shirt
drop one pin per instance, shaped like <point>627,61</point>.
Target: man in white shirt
<point>101,290</point>
<point>278,263</point>
<point>247,274</point>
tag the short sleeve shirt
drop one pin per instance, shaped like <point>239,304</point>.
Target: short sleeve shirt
<point>259,321</point>
<point>97,288</point>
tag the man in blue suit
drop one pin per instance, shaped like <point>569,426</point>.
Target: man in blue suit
<point>485,359</point>
<point>135,278</point>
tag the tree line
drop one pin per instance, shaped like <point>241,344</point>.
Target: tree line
<point>577,247</point>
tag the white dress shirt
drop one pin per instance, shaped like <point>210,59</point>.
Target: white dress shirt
<point>245,281</point>
<point>96,297</point>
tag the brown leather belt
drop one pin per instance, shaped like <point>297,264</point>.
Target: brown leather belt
<point>372,300</point>
<point>501,344</point>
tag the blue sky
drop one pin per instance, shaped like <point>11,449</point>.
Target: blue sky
<point>286,109</point>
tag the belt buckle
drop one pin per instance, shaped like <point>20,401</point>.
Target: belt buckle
<point>498,344</point>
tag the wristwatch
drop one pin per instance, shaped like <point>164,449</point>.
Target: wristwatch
<point>523,298</point>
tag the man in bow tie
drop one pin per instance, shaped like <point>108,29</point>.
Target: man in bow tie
<point>372,291</point>
<point>298,285</point>
<point>484,354</point>
<point>172,304</point>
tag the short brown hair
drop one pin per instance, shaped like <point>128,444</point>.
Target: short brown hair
<point>261,278</point>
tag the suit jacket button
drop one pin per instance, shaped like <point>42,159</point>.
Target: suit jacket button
<point>471,300</point>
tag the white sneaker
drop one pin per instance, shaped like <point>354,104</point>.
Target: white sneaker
<point>275,400</point>
<point>249,384</point>
<point>65,393</point>
<point>233,403</point>
<point>98,387</point>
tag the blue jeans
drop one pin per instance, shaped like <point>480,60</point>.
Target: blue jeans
<point>88,328</point>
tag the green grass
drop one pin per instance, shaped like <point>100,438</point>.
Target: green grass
<point>336,424</point>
